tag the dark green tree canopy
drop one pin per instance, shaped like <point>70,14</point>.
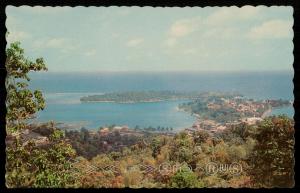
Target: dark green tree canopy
<point>21,102</point>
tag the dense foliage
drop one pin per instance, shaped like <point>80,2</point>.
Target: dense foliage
<point>140,96</point>
<point>28,164</point>
<point>222,114</point>
<point>90,145</point>
<point>273,156</point>
<point>243,155</point>
<point>21,102</point>
<point>183,160</point>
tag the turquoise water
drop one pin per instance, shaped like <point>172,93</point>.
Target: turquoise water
<point>93,115</point>
<point>63,91</point>
<point>289,110</point>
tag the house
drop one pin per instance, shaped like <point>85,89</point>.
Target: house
<point>221,128</point>
<point>251,120</point>
<point>124,128</point>
<point>208,124</point>
<point>104,132</point>
<point>117,128</point>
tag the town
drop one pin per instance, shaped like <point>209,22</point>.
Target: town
<point>214,114</point>
<point>217,114</point>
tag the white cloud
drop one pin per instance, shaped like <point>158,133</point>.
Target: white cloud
<point>135,42</point>
<point>132,58</point>
<point>221,32</point>
<point>49,43</point>
<point>44,10</point>
<point>17,36</point>
<point>184,27</point>
<point>14,34</point>
<point>272,29</point>
<point>224,15</point>
<point>55,43</point>
<point>11,22</point>
<point>63,44</point>
<point>180,29</point>
<point>123,11</point>
<point>170,42</point>
<point>91,52</point>
<point>190,51</point>
<point>115,35</point>
<point>128,58</point>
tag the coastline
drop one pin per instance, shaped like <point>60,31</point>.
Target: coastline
<point>271,109</point>
<point>133,102</point>
<point>266,113</point>
<point>127,102</point>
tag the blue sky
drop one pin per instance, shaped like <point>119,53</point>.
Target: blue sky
<point>155,39</point>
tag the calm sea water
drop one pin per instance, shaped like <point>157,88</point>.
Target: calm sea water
<point>63,90</point>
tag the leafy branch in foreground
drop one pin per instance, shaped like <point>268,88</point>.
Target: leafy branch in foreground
<point>21,102</point>
<point>273,156</point>
<point>29,165</point>
<point>32,159</point>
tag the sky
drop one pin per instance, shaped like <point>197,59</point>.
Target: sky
<point>92,39</point>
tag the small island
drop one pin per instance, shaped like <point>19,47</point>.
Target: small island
<point>152,96</point>
<point>214,111</point>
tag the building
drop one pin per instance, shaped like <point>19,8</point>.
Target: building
<point>251,120</point>
<point>104,132</point>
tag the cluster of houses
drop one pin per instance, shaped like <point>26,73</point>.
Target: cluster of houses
<point>120,130</point>
<point>245,106</point>
<point>207,125</point>
<point>213,127</point>
<point>115,138</point>
<point>248,107</point>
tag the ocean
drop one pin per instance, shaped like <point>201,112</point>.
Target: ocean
<point>63,91</point>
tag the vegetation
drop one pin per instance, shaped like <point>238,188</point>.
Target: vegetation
<point>185,178</point>
<point>111,139</point>
<point>181,161</point>
<point>279,103</point>
<point>140,96</point>
<point>228,109</point>
<point>21,102</point>
<point>90,145</point>
<point>273,155</point>
<point>258,155</point>
<point>152,96</point>
<point>28,164</point>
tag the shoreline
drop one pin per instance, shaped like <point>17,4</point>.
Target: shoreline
<point>133,102</point>
<point>266,113</point>
<point>269,111</point>
<point>127,102</point>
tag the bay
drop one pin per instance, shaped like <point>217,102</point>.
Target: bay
<point>63,91</point>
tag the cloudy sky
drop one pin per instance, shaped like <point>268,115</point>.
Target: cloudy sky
<point>155,39</point>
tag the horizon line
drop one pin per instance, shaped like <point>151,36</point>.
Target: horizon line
<point>165,71</point>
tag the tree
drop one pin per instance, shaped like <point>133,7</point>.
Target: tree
<point>155,146</point>
<point>29,164</point>
<point>182,148</point>
<point>200,137</point>
<point>136,128</point>
<point>85,135</point>
<point>21,102</point>
<point>273,154</point>
<point>185,178</point>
